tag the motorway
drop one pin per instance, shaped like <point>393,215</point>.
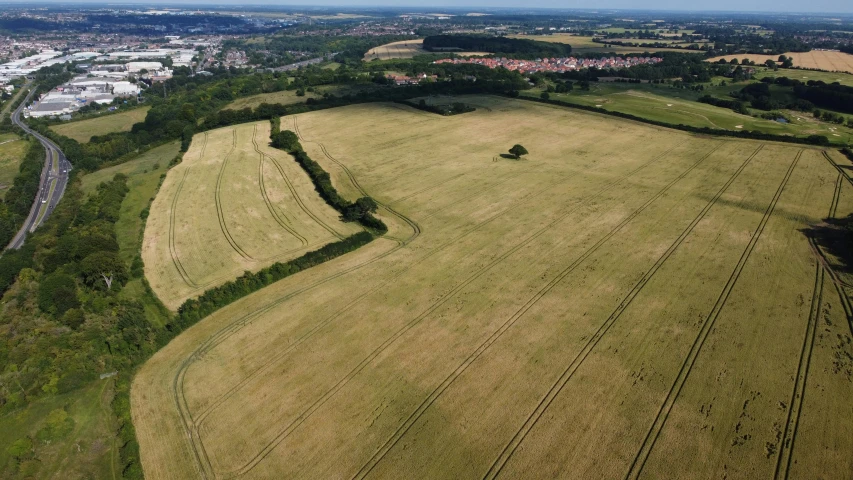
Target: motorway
<point>54,177</point>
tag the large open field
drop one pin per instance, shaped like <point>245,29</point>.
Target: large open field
<point>83,130</point>
<point>627,301</point>
<point>233,204</point>
<point>584,44</point>
<point>677,106</point>
<point>405,49</point>
<point>819,59</point>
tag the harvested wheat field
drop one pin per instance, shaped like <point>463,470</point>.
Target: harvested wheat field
<point>627,301</point>
<point>831,61</point>
<point>405,49</point>
<point>233,204</point>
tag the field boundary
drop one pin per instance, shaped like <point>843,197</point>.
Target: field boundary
<point>637,465</point>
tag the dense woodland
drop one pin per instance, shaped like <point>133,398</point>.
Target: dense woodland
<point>501,46</point>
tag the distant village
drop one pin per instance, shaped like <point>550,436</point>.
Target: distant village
<point>559,65</point>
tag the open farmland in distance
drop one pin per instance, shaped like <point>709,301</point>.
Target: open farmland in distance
<point>831,61</point>
<point>406,49</point>
<point>676,106</point>
<point>83,130</point>
<point>233,204</point>
<point>584,44</point>
<point>627,301</point>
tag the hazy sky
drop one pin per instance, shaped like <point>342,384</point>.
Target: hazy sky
<point>774,6</point>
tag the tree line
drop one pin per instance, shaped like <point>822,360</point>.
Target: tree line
<point>16,203</point>
<point>359,211</point>
<point>497,45</point>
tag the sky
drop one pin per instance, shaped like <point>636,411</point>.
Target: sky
<point>774,6</point>
<point>769,6</point>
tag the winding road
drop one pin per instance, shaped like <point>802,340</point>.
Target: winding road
<point>54,177</point>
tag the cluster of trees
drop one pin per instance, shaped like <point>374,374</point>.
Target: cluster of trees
<point>16,203</point>
<point>454,108</point>
<point>498,45</point>
<point>832,117</point>
<point>835,96</point>
<point>736,105</point>
<point>728,40</point>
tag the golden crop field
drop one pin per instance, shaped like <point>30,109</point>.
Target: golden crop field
<point>83,130</point>
<point>625,302</point>
<point>819,59</point>
<point>584,44</point>
<point>405,49</point>
<point>233,204</point>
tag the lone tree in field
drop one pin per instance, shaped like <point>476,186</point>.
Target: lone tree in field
<point>517,151</point>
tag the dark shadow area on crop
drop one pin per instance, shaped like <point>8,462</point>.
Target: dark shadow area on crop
<point>508,156</point>
<point>835,236</point>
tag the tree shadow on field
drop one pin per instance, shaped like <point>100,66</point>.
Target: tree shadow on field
<point>835,237</point>
<point>508,156</point>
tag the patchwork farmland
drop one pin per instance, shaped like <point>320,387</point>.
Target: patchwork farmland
<point>625,302</point>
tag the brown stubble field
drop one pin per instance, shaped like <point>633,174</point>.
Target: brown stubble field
<point>627,302</point>
<point>831,61</point>
<point>233,204</point>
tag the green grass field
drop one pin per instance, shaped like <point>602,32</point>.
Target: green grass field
<point>83,130</point>
<point>678,106</point>
<point>806,75</point>
<point>287,97</point>
<point>86,451</point>
<point>144,175</point>
<point>12,151</point>
<point>626,301</point>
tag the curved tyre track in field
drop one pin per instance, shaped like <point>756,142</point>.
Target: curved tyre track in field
<point>192,428</point>
<point>202,460</point>
<point>533,418</point>
<point>436,393</point>
<point>271,362</point>
<point>299,201</point>
<point>173,249</point>
<point>451,294</point>
<point>637,465</point>
<point>219,212</point>
<point>414,226</point>
<point>281,219</point>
